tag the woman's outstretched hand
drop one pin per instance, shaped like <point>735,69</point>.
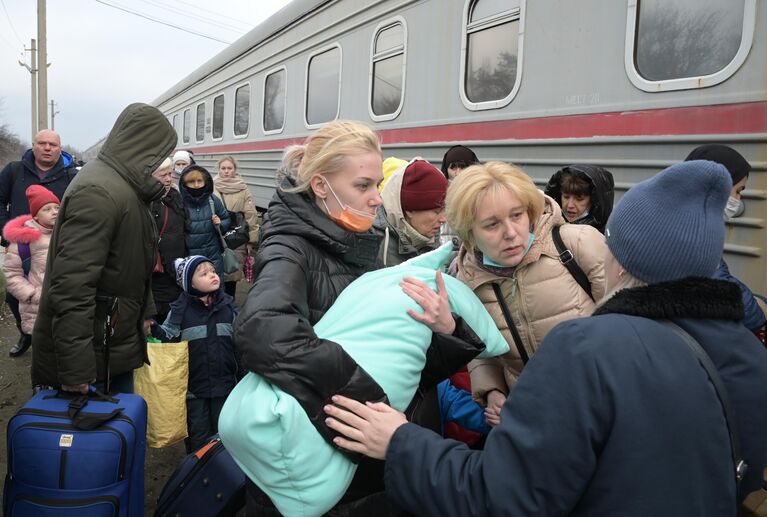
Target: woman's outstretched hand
<point>436,307</point>
<point>368,427</point>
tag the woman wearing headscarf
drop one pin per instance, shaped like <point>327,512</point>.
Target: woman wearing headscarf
<point>181,160</point>
<point>585,193</point>
<point>412,213</point>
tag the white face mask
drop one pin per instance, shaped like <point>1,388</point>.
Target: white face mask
<point>734,208</point>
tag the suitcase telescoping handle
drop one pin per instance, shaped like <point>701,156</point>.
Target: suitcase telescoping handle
<point>84,420</point>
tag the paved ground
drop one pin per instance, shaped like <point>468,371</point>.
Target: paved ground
<point>15,389</point>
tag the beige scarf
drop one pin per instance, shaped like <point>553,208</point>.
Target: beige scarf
<point>229,185</point>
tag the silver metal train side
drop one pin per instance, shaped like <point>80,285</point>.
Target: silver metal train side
<point>574,92</point>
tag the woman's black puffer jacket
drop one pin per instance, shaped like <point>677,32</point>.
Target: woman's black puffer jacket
<point>303,263</point>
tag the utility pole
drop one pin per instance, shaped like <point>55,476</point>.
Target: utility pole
<point>54,112</point>
<point>42,74</point>
<point>33,73</point>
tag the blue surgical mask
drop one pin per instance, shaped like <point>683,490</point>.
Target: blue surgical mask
<point>582,216</point>
<point>490,262</point>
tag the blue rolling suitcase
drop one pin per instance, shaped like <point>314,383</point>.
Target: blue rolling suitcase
<point>76,456</point>
<point>207,482</point>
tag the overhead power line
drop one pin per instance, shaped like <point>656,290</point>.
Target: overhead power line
<point>202,9</point>
<point>180,12</point>
<point>10,45</point>
<point>205,18</point>
<point>11,22</point>
<point>147,17</point>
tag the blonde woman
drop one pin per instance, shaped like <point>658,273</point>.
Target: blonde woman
<point>232,190</point>
<point>511,262</point>
<point>316,239</point>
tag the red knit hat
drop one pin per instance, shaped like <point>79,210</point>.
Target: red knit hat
<point>39,196</point>
<point>423,187</point>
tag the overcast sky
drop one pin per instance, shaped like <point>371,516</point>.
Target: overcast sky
<point>102,59</point>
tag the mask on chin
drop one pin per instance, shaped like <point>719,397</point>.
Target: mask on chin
<point>349,218</point>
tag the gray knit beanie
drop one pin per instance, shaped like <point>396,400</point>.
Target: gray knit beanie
<point>671,226</point>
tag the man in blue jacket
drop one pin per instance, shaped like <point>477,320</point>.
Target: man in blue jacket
<point>47,165</point>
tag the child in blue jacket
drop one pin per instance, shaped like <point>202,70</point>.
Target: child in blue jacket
<point>456,405</point>
<point>203,316</point>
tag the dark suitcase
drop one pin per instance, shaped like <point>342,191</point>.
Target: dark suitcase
<point>76,456</point>
<point>207,483</point>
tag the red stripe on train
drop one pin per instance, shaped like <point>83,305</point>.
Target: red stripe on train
<point>749,117</point>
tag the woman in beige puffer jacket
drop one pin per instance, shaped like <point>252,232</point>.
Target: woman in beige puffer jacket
<point>234,192</point>
<point>537,288</point>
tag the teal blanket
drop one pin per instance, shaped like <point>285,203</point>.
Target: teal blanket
<point>269,434</point>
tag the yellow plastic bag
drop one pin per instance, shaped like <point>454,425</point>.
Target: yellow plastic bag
<point>163,384</point>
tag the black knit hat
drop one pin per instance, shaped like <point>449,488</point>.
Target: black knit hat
<point>736,165</point>
<point>458,153</point>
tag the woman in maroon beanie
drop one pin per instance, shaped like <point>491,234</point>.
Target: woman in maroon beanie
<point>413,211</point>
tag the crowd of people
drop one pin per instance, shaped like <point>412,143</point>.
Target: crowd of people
<point>597,408</point>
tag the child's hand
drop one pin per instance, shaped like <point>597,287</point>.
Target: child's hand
<point>216,220</point>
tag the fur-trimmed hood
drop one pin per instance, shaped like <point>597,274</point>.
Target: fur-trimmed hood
<point>24,229</point>
<point>692,297</point>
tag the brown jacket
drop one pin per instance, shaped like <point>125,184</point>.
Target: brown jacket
<point>241,201</point>
<point>541,294</point>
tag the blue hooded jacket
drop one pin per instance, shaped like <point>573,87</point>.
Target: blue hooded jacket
<point>203,238</point>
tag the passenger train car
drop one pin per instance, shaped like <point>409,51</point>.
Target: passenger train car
<point>632,85</point>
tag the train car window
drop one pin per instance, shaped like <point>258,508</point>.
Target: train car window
<point>199,133</point>
<point>175,122</point>
<point>491,54</point>
<point>241,110</point>
<point>218,117</point>
<point>489,8</point>
<point>388,70</point>
<point>187,125</point>
<point>275,84</point>
<point>323,86</point>
<point>687,43</point>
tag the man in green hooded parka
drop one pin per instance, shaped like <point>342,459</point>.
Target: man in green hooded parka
<point>100,260</point>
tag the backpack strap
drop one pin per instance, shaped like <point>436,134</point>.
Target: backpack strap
<point>510,322</point>
<point>218,228</point>
<point>740,466</point>
<point>26,257</point>
<point>567,259</point>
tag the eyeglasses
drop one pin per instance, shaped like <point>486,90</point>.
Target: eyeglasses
<point>458,165</point>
